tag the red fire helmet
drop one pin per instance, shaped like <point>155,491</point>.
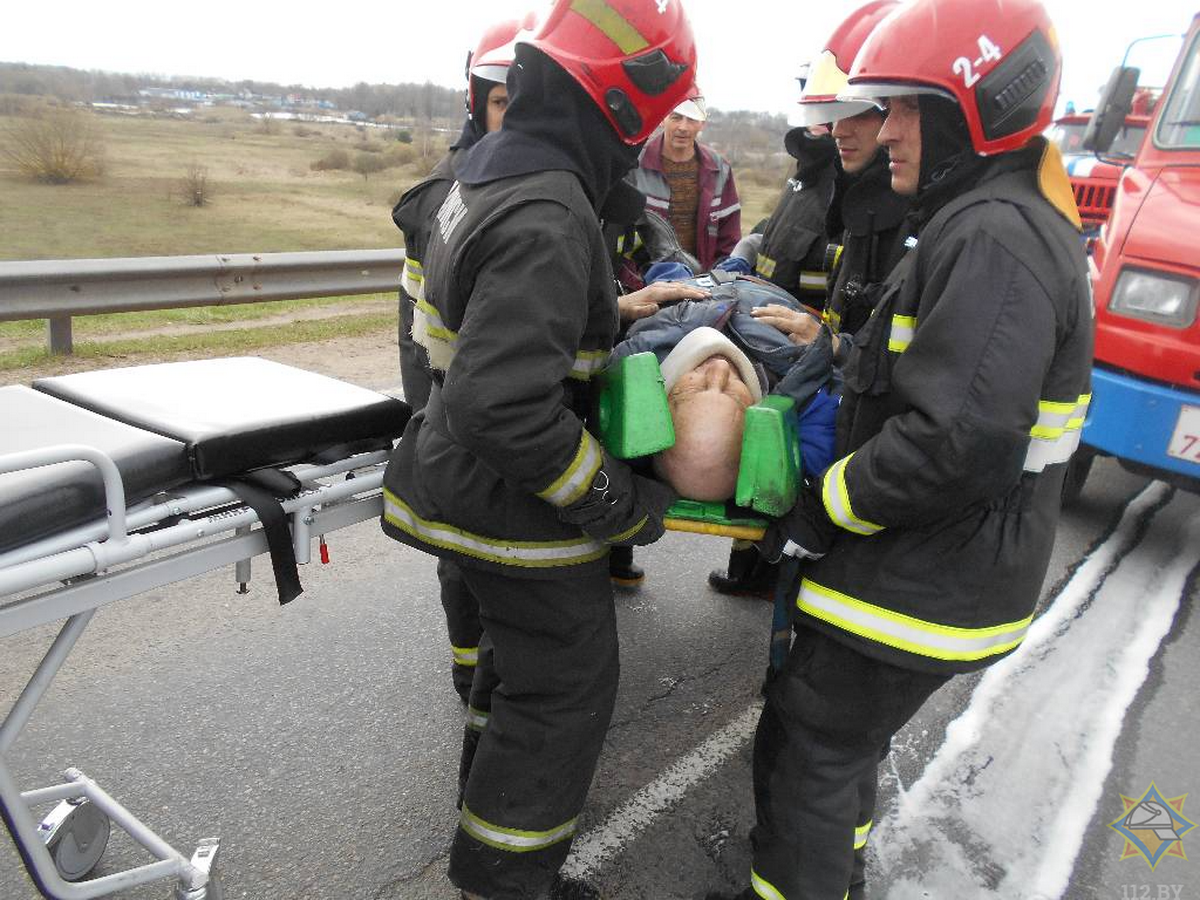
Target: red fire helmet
<point>491,58</point>
<point>827,74</point>
<point>636,59</point>
<point>998,59</point>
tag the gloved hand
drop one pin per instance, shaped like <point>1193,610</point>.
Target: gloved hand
<point>805,531</point>
<point>621,507</point>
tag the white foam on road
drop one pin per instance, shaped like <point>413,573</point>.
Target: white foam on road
<point>1003,807</point>
<point>593,849</point>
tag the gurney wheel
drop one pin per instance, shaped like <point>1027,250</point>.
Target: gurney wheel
<point>79,841</point>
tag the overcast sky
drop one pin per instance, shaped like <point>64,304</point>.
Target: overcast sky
<point>750,50</point>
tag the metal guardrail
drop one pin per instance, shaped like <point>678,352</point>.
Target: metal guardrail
<point>59,289</point>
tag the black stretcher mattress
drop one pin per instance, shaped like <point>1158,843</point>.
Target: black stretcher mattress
<point>164,425</point>
<point>239,414</point>
<point>39,502</point>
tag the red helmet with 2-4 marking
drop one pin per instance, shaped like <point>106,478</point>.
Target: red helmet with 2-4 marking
<point>636,59</point>
<point>998,59</point>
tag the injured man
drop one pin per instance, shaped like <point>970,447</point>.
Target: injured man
<point>721,355</point>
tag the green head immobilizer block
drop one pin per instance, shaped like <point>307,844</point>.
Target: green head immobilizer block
<point>631,408</point>
<point>769,473</point>
<point>633,420</point>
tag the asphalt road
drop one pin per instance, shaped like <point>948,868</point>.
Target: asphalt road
<point>319,741</point>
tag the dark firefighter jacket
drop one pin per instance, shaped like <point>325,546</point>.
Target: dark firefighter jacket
<point>519,312</point>
<point>413,215</point>
<point>964,397</point>
<point>868,218</point>
<point>792,254</point>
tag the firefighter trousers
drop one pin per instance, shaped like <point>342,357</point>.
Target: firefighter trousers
<point>462,624</point>
<point>828,720</point>
<point>550,654</point>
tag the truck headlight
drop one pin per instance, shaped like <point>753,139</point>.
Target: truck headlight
<point>1154,297</point>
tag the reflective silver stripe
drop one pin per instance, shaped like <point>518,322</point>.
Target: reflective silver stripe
<point>903,328</point>
<point>764,888</point>
<point>837,500</point>
<point>885,626</point>
<point>660,203</point>
<point>527,554</point>
<point>575,480</point>
<point>430,332</point>
<point>1055,435</point>
<point>861,833</point>
<point>477,719</point>
<point>588,363</point>
<point>512,839</point>
<point>414,279</point>
<point>727,211</point>
<point>765,265</point>
<point>465,656</point>
<point>815,280</point>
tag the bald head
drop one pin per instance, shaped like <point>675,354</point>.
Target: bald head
<point>708,407</point>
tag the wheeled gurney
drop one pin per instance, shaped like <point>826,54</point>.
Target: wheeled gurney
<point>120,481</point>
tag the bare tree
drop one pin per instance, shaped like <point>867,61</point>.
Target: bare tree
<point>194,188</point>
<point>56,147</point>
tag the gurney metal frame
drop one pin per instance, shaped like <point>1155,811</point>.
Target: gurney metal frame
<point>82,558</point>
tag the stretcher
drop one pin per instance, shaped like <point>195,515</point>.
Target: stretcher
<point>633,420</point>
<point>124,480</point>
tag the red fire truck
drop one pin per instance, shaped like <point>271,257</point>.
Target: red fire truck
<point>1145,408</point>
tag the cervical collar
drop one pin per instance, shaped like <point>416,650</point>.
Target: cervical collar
<point>697,346</point>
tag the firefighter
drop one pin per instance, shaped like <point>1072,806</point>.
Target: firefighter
<point>927,540</point>
<point>852,195</point>
<point>487,98</point>
<point>499,471</point>
<point>867,216</point>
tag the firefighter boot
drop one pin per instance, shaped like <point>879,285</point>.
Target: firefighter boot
<point>622,569</point>
<point>747,575</point>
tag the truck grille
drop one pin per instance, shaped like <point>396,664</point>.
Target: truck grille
<point>1094,199</point>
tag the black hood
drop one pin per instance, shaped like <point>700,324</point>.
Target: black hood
<point>811,152</point>
<point>861,194</point>
<point>551,123</point>
<point>949,164</point>
<point>475,127</point>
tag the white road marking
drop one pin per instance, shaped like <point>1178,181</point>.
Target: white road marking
<point>1003,807</point>
<point>592,850</point>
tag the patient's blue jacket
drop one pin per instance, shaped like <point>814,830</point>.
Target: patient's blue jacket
<point>804,373</point>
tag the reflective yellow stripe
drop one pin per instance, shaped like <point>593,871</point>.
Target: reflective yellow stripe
<point>477,719</point>
<point>526,554</point>
<point>629,532</point>
<point>764,266</point>
<point>414,279</point>
<point>1055,434</point>
<point>885,626</point>
<point>615,26</point>
<point>430,332</point>
<point>837,500</point>
<point>512,839</point>
<point>588,363</point>
<point>465,656</point>
<point>813,280</point>
<point>764,888</point>
<point>575,480</point>
<point>861,833</point>
<point>903,328</point>
<point>833,319</point>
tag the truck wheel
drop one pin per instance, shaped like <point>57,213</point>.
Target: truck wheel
<point>1077,473</point>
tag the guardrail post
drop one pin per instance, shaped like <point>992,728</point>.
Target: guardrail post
<point>58,334</point>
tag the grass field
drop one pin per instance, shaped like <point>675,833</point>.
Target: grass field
<point>265,198</point>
